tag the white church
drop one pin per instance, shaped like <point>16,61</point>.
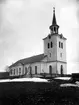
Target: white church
<point>51,62</point>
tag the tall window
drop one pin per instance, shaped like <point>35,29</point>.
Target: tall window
<point>48,45</point>
<point>11,72</point>
<point>14,71</point>
<point>19,71</point>
<point>25,72</point>
<point>35,69</point>
<point>51,44</point>
<point>59,44</point>
<point>30,70</point>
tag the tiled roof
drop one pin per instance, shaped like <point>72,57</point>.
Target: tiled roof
<point>29,60</point>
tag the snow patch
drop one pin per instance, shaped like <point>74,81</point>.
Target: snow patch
<point>24,79</point>
<point>4,80</point>
<point>63,78</point>
<point>77,82</point>
<point>68,85</point>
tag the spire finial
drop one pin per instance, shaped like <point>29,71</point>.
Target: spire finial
<point>54,18</point>
<point>53,9</point>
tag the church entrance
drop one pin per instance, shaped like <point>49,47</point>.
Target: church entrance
<point>61,69</point>
<point>50,70</point>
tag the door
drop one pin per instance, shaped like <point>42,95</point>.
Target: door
<point>50,69</point>
<point>61,68</point>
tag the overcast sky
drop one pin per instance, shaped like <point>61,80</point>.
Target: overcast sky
<point>24,23</point>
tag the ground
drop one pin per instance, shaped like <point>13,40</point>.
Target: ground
<point>53,92</point>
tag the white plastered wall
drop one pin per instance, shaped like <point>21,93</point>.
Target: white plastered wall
<point>59,67</point>
<point>60,50</point>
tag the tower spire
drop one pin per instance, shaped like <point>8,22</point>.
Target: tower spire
<point>54,17</point>
<point>54,27</point>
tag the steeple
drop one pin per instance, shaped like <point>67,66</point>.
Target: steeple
<point>54,27</point>
<point>54,18</point>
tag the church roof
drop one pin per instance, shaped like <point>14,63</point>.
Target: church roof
<point>33,59</point>
<point>59,35</point>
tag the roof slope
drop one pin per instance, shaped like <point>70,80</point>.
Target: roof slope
<point>32,59</point>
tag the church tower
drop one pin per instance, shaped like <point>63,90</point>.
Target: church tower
<point>55,47</point>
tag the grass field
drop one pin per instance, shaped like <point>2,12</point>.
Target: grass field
<point>38,93</point>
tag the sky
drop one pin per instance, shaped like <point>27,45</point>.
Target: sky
<point>24,23</point>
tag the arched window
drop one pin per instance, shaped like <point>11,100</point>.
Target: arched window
<point>14,71</point>
<point>30,70</point>
<point>50,69</point>
<point>62,45</point>
<point>54,29</point>
<point>61,69</point>
<point>48,45</point>
<point>25,71</point>
<point>51,44</point>
<point>11,72</point>
<point>59,44</point>
<point>35,69</point>
<point>19,71</point>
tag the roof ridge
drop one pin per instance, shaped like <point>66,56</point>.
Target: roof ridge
<point>32,59</point>
<point>31,56</point>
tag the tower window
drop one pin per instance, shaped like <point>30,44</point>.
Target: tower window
<point>62,45</point>
<point>59,44</point>
<point>51,44</point>
<point>48,45</point>
<point>35,69</point>
<point>54,29</point>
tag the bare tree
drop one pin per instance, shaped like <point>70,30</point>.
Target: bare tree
<point>7,68</point>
